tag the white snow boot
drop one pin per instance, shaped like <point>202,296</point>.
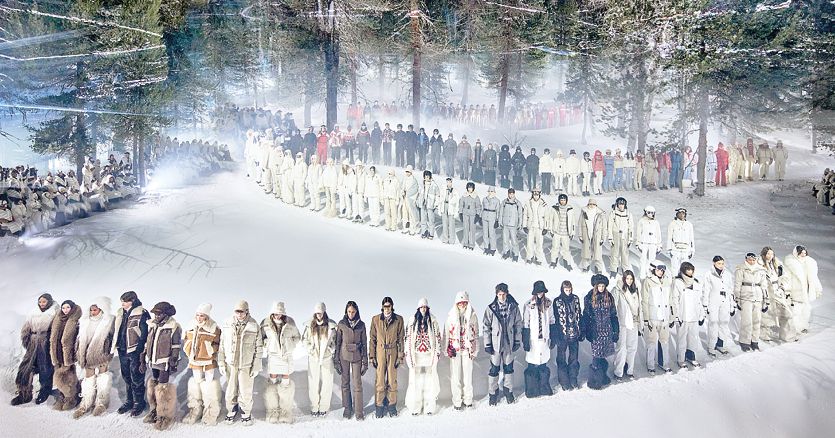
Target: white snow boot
<point>271,401</point>
<point>211,401</point>
<point>286,392</point>
<point>104,382</point>
<point>195,402</point>
<point>88,397</point>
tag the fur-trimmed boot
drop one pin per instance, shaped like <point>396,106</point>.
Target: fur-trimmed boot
<point>286,392</point>
<point>88,397</point>
<point>66,381</point>
<point>166,405</point>
<point>271,401</point>
<point>104,382</point>
<point>195,402</point>
<point>151,397</point>
<point>211,401</point>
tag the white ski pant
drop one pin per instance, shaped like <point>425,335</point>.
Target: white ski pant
<point>267,180</point>
<point>571,186</point>
<point>749,322</point>
<point>315,198</point>
<point>427,221</point>
<point>510,240</point>
<point>625,351</point>
<point>330,201</point>
<point>374,210</point>
<point>422,392</point>
<point>468,238</point>
<point>320,383</point>
<point>718,327</point>
<point>488,233</point>
<point>802,313</point>
<point>411,217</point>
<point>586,182</point>
<point>357,204</point>
<point>598,182</point>
<point>239,390</point>
<point>461,379</point>
<point>658,331</point>
<point>390,207</point>
<point>560,248</point>
<point>299,194</point>
<point>534,248</point>
<point>345,203</point>
<point>276,183</point>
<point>448,228</point>
<point>648,254</point>
<point>620,254</point>
<point>677,257</point>
<point>687,338</point>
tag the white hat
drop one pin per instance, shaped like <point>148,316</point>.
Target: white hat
<point>242,305</point>
<point>345,162</point>
<point>592,201</point>
<point>358,163</point>
<point>319,308</point>
<point>278,308</point>
<point>423,302</point>
<point>409,168</point>
<point>205,309</point>
<point>462,297</point>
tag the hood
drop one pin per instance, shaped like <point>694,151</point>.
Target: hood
<point>102,303</point>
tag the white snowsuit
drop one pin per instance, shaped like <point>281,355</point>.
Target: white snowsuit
<point>449,211</point>
<point>534,217</point>
<point>411,189</point>
<point>373,190</point>
<point>591,229</point>
<point>655,307</point>
<point>422,351</point>
<point>750,289</point>
<point>427,202</point>
<point>680,243</point>
<point>562,223</point>
<point>314,183</point>
<point>648,238</point>
<point>330,180</point>
<point>717,296</point>
<point>630,319</point>
<point>287,178</point>
<point>572,172</point>
<point>299,178</point>
<point>391,201</point>
<point>688,311</point>
<point>620,235</point>
<point>462,344</point>
<point>320,349</point>
<point>804,285</point>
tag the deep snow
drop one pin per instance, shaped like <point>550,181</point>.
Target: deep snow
<point>224,240</point>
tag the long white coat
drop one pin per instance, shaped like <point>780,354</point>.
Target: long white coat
<point>805,285</point>
<point>540,350</point>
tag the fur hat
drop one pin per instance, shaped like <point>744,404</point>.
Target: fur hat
<point>205,309</point>
<point>539,286</point>
<point>242,305</point>
<point>278,308</point>
<point>599,278</point>
<point>319,308</point>
<point>164,308</point>
<point>462,297</point>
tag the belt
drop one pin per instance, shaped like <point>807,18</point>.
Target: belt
<point>745,283</point>
<point>491,211</point>
<point>389,346</point>
<point>723,293</point>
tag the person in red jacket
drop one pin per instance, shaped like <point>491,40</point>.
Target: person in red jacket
<point>721,165</point>
<point>599,171</point>
<point>322,144</point>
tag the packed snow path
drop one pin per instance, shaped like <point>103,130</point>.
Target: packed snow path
<point>225,240</point>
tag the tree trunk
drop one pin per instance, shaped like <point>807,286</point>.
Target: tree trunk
<point>518,85</point>
<point>141,147</point>
<point>353,66</point>
<point>704,115</point>
<point>308,105</point>
<point>381,75</point>
<point>417,42</point>
<point>331,52</point>
<point>465,86</point>
<point>585,118</point>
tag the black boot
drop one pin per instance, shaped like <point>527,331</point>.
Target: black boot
<point>392,410</point>
<point>43,396</point>
<point>494,398</point>
<point>138,409</point>
<point>755,346</point>
<point>506,255</point>
<point>379,411</point>
<point>125,407</point>
<point>566,265</point>
<point>745,347</point>
<point>347,413</point>
<point>508,395</point>
<point>22,397</point>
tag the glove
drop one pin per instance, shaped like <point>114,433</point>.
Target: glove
<point>733,312</point>
<point>701,322</point>
<point>516,345</point>
<point>648,325</point>
<point>489,350</point>
<point>222,370</point>
<point>670,253</point>
<point>172,368</point>
<point>478,219</point>
<point>254,372</point>
<point>337,366</point>
<point>525,229</point>
<point>142,367</point>
<point>689,256</point>
<point>526,346</point>
<point>615,338</point>
<point>450,352</point>
<point>611,242</point>
<point>496,224</point>
<point>544,232</point>
<point>364,368</point>
<point>738,306</point>
<point>672,324</point>
<point>707,312</point>
<point>374,363</point>
<point>765,308</point>
<point>461,216</point>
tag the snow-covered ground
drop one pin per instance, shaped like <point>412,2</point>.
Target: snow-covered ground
<point>224,240</point>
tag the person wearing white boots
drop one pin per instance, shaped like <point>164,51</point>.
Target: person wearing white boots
<point>299,179</point>
<point>411,189</point>
<point>320,339</point>
<point>276,159</point>
<point>267,175</point>
<point>489,220</point>
<point>239,359</point>
<point>461,330</point>
<point>358,197</point>
<point>330,182</point>
<point>572,173</point>
<point>804,285</point>
<point>689,312</point>
<point>391,200</point>
<point>591,230</point>
<point>539,337</point>
<point>627,296</point>
<point>373,189</point>
<point>202,341</point>
<point>422,351</point>
<point>717,296</point>
<point>314,183</point>
<point>95,335</point>
<point>449,211</point>
<point>681,242</point>
<point>427,202</point>
<point>287,166</point>
<point>648,238</point>
<point>347,186</point>
<point>620,234</point>
<point>535,224</point>
<point>655,308</point>
<point>559,172</point>
<point>751,293</point>
<point>562,222</point>
<point>280,338</point>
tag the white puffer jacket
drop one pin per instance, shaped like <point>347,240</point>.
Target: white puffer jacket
<point>655,299</point>
<point>649,233</point>
<point>546,163</point>
<point>449,202</point>
<point>718,292</point>
<point>572,165</point>
<point>686,301</point>
<point>680,236</point>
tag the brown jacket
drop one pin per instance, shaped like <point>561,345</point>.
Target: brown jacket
<point>351,343</point>
<point>62,337</point>
<point>162,350</point>
<point>137,329</point>
<point>201,345</point>
<point>387,339</point>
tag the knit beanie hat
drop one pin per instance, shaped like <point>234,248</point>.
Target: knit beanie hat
<point>205,309</point>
